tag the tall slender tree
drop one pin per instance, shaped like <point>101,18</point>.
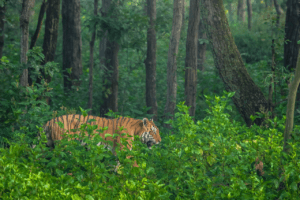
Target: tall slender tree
<point>111,73</point>
<point>248,97</point>
<point>92,42</point>
<point>2,22</point>
<point>201,46</point>
<point>292,34</point>
<point>24,25</point>
<point>171,64</point>
<point>150,61</point>
<point>249,11</point>
<point>191,57</point>
<point>279,11</point>
<point>72,43</point>
<point>241,10</point>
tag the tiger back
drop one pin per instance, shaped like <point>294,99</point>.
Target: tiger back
<point>145,129</point>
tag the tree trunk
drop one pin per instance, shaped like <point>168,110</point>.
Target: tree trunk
<point>248,97</point>
<point>191,57</point>
<point>92,42</point>
<point>39,24</point>
<point>291,107</point>
<point>102,48</point>
<point>241,10</point>
<point>150,61</point>
<point>72,43</point>
<point>292,34</point>
<point>249,9</point>
<point>111,78</point>
<point>111,73</point>
<point>230,12</point>
<point>24,25</point>
<point>2,22</point>
<point>36,36</point>
<point>171,64</point>
<point>201,46</point>
<point>279,12</point>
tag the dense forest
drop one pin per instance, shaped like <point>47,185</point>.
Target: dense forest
<point>219,78</point>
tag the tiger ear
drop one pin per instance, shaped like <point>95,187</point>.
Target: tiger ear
<point>145,121</point>
<point>151,120</point>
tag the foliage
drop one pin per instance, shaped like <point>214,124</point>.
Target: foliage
<point>211,159</point>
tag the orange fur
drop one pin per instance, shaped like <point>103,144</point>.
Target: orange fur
<point>146,129</point>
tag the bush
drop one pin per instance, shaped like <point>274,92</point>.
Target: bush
<point>216,158</point>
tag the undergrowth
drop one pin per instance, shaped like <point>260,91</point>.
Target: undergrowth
<point>215,158</point>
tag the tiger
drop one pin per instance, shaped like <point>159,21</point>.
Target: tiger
<point>145,129</point>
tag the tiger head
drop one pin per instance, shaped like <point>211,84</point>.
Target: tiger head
<point>150,133</point>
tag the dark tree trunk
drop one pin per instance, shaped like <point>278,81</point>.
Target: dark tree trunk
<point>111,73</point>
<point>50,38</point>
<point>249,9</point>
<point>2,22</point>
<point>292,34</point>
<point>191,57</point>
<point>111,78</point>
<point>248,97</point>
<point>201,46</point>
<point>36,36</point>
<point>92,42</point>
<point>39,24</point>
<point>171,64</point>
<point>71,43</point>
<point>241,10</point>
<point>150,61</point>
<point>24,25</point>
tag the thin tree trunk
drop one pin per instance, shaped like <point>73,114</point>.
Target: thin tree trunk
<point>201,46</point>
<point>72,43</point>
<point>90,105</point>
<point>2,22</point>
<point>230,11</point>
<point>279,12</point>
<point>241,10</point>
<point>191,57</point>
<point>289,123</point>
<point>248,97</point>
<point>24,25</point>
<point>36,36</point>
<point>150,61</point>
<point>249,9</point>
<point>39,24</point>
<point>292,34</point>
<point>171,64</point>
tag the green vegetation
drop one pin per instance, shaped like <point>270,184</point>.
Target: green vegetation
<point>212,159</point>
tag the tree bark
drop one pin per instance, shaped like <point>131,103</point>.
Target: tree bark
<point>36,36</point>
<point>171,64</point>
<point>248,97</point>
<point>249,9</point>
<point>24,25</point>
<point>150,61</point>
<point>279,12</point>
<point>191,57</point>
<point>241,10</point>
<point>2,22</point>
<point>201,46</point>
<point>289,123</point>
<point>39,24</point>
<point>230,12</point>
<point>111,73</point>
<point>72,43</point>
<point>92,42</point>
<point>292,34</point>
